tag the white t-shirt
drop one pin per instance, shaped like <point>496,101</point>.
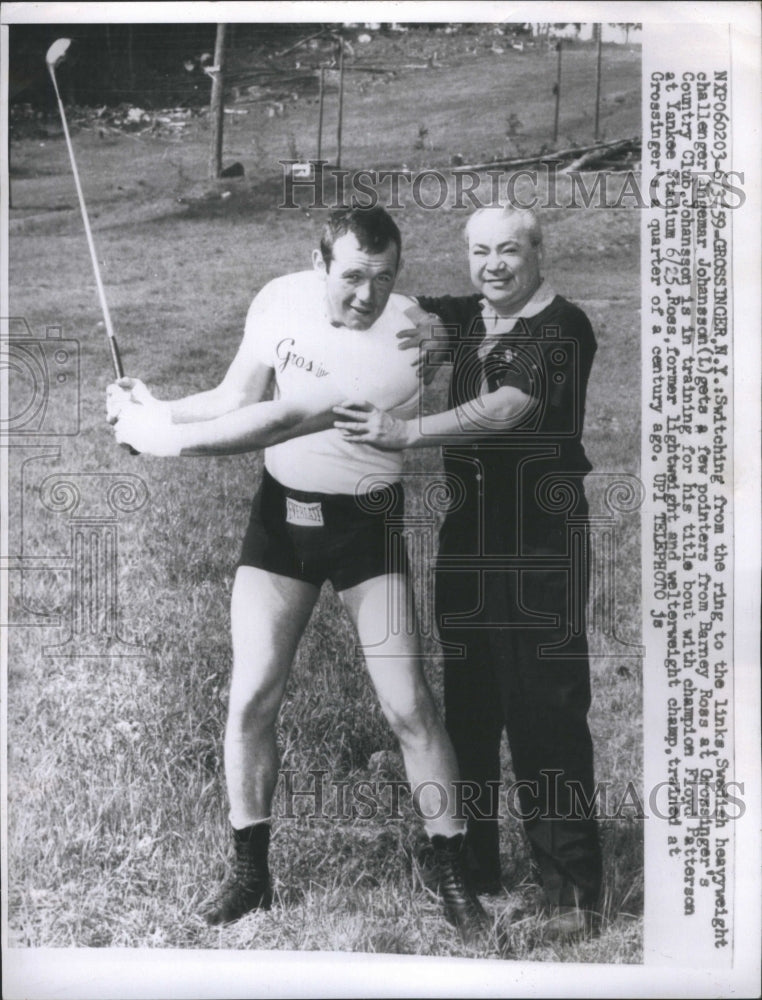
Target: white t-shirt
<point>289,330</point>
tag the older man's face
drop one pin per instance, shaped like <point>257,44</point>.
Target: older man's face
<point>505,267</point>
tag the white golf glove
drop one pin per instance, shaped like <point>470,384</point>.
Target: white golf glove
<point>130,390</point>
<point>149,430</point>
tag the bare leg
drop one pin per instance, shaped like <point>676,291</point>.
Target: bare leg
<point>394,664</point>
<point>268,616</point>
<point>393,657</point>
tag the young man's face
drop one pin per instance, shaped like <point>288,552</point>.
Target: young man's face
<point>505,267</point>
<point>357,283</point>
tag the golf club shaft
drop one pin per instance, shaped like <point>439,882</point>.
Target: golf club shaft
<point>115,358</point>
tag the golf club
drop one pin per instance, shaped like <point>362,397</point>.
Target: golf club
<point>54,57</point>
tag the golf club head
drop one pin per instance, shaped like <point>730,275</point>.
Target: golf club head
<point>57,52</point>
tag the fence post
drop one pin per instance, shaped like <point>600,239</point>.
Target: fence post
<point>131,61</point>
<point>217,104</point>
<point>557,92</point>
<point>341,101</point>
<point>320,112</point>
<point>598,83</point>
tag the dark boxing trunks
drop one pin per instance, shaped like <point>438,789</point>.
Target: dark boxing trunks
<point>324,536</point>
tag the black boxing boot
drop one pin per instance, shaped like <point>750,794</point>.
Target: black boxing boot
<point>461,905</point>
<point>248,887</point>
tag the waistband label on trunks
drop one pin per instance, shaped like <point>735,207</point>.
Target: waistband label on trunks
<point>307,514</point>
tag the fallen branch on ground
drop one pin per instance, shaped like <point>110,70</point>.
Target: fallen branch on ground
<point>618,145</point>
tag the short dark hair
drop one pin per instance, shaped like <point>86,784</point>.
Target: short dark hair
<point>373,227</point>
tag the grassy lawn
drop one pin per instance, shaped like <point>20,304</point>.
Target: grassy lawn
<point>117,814</point>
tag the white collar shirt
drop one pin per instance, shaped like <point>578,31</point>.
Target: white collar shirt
<point>497,326</point>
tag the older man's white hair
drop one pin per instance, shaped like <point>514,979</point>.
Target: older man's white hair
<point>529,217</point>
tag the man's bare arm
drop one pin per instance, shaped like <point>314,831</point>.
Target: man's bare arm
<point>242,385</point>
<point>238,389</point>
<point>248,428</point>
<point>247,380</point>
<point>493,412</point>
